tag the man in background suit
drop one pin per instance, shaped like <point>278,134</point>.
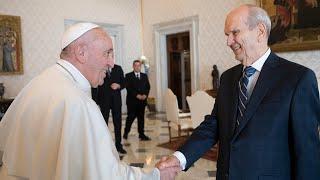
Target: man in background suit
<point>108,97</point>
<point>138,88</point>
<point>266,115</point>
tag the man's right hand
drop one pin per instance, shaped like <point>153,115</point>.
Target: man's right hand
<point>169,167</point>
<point>143,97</point>
<point>167,162</point>
<point>139,96</point>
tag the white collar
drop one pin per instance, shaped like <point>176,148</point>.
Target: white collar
<point>76,76</point>
<point>259,63</point>
<point>136,73</point>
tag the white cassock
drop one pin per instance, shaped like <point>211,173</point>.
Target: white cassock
<point>54,131</point>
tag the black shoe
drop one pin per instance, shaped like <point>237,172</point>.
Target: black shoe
<point>144,138</point>
<point>121,150</point>
<point>125,136</point>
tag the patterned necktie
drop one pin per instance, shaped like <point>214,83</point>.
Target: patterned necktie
<point>109,72</point>
<point>137,75</point>
<point>243,92</point>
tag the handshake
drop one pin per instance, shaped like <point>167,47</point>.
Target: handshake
<point>169,166</point>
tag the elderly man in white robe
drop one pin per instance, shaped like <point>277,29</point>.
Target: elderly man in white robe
<point>54,130</point>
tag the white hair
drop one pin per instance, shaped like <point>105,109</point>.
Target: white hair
<point>256,16</point>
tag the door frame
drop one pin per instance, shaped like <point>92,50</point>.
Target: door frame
<point>161,30</point>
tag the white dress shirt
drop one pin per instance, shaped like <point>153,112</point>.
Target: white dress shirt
<point>137,74</point>
<point>258,64</point>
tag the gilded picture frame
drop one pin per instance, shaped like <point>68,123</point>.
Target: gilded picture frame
<point>11,61</point>
<point>295,24</point>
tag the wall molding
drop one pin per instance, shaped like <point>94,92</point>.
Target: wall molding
<point>161,30</point>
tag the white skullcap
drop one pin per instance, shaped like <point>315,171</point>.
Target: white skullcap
<point>74,32</point>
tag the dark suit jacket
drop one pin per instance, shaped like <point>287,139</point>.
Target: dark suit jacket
<point>278,137</point>
<point>136,86</point>
<point>104,95</point>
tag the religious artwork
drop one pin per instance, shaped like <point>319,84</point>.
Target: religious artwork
<point>295,24</point>
<point>10,45</point>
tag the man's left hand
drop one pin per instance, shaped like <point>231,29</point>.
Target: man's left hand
<point>115,86</point>
<point>143,97</point>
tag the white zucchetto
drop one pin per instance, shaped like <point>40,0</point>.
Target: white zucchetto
<point>74,32</point>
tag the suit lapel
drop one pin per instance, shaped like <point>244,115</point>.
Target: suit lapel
<point>267,78</point>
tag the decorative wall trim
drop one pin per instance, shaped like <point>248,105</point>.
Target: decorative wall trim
<point>161,30</point>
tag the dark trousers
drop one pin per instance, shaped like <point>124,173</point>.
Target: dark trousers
<point>116,117</point>
<point>135,111</point>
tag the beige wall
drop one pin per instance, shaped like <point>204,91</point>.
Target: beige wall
<point>42,23</point>
<point>212,42</point>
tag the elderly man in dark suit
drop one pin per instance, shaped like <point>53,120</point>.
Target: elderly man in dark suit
<point>266,115</point>
<point>138,87</point>
<point>108,97</point>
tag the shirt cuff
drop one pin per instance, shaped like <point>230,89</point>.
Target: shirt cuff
<point>181,158</point>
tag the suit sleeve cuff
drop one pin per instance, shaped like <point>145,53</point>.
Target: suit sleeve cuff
<point>181,158</point>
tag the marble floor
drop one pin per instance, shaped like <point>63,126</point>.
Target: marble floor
<point>146,153</point>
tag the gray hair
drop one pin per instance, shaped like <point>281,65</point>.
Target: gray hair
<point>258,15</point>
<point>65,52</point>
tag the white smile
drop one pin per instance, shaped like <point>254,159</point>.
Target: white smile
<point>235,48</point>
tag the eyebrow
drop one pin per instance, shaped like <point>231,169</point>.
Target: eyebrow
<point>232,31</point>
<point>109,50</point>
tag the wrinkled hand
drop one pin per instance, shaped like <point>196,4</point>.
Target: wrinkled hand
<point>143,97</point>
<point>169,173</point>
<point>167,162</point>
<point>139,97</point>
<point>115,86</point>
<point>169,167</point>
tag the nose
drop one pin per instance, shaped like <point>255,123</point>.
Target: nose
<point>110,62</point>
<point>230,40</point>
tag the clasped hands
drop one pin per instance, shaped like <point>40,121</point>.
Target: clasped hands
<point>141,97</point>
<point>169,166</point>
<point>115,86</point>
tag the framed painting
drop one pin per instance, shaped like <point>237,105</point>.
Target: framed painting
<point>295,24</point>
<point>10,45</point>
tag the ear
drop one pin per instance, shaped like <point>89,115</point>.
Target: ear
<point>262,32</point>
<point>81,53</point>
